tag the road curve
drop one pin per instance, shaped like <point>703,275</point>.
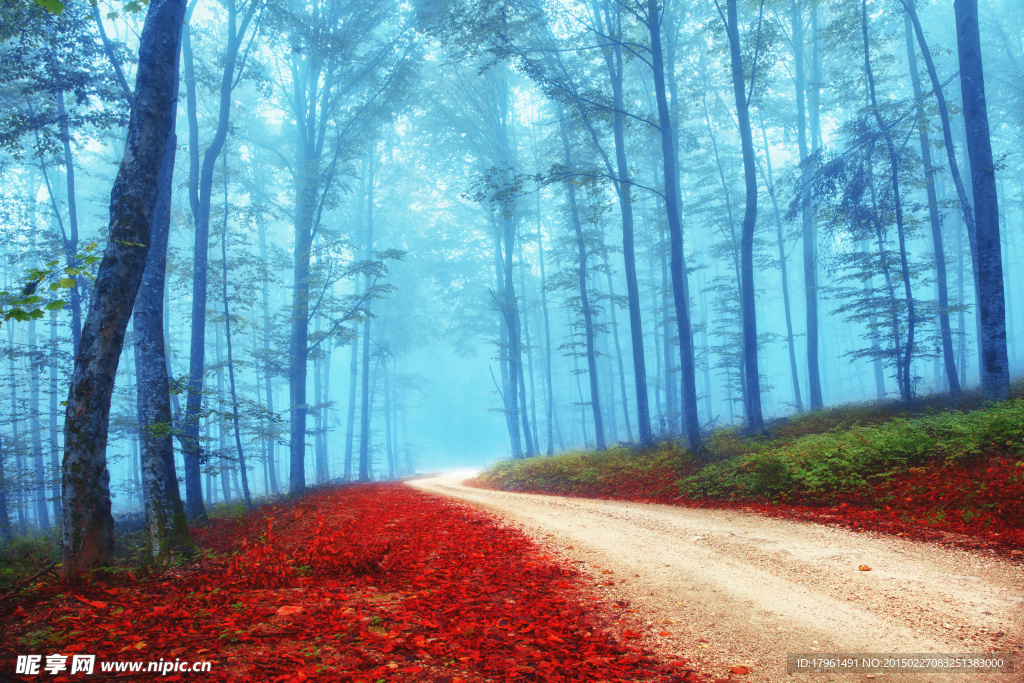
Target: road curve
<point>724,588</point>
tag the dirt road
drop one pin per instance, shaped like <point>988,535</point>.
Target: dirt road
<point>733,588</point>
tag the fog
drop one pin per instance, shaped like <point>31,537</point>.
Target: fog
<point>440,233</point>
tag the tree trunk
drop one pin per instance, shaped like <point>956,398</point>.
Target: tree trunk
<point>946,337</point>
<point>531,448</point>
<point>55,488</point>
<point>672,415</point>
<point>752,390</point>
<point>226,465</point>
<point>549,388</point>
<point>809,229</point>
<point>71,240</point>
<point>691,422</point>
<point>784,271</point>
<point>588,319</point>
<point>364,415</point>
<point>618,348</point>
<point>353,377</point>
<point>35,358</point>
<point>268,384</point>
<point>6,533</point>
<point>88,524</point>
<point>623,189</point>
<point>200,197</point>
<point>995,369</point>
<point>165,516</point>
<point>227,333</point>
<point>947,137</point>
<point>902,365</point>
<point>306,182</point>
<point>388,445</point>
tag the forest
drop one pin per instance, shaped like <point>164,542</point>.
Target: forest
<point>255,247</point>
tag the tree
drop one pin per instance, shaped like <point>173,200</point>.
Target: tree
<point>752,388</point>
<point>347,62</point>
<point>680,289</point>
<point>903,376</point>
<point>946,337</point>
<point>995,367</point>
<point>200,198</point>
<point>88,524</point>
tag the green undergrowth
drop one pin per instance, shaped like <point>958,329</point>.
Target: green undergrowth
<point>849,459</point>
<point>647,474</point>
<point>838,453</point>
<point>25,554</point>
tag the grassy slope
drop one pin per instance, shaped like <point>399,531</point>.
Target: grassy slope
<point>929,469</point>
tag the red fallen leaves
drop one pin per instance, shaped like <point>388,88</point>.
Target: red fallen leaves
<point>98,604</point>
<point>367,583</point>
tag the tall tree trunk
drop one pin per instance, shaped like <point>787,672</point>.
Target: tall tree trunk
<point>364,423</point>
<point>505,391</point>
<point>529,356</point>
<point>784,269</point>
<point>672,415</point>
<point>588,318</point>
<point>890,290</point>
<point>268,384</point>
<point>734,249</point>
<point>71,239</point>
<point>88,524</point>
<point>946,337</point>
<point>227,333</point>
<point>549,387</point>
<point>809,229</point>
<point>748,308</point>
<point>511,313</point>
<point>353,378</point>
<point>55,489</point>
<point>531,448</point>
<point>618,348</point>
<point>655,307</point>
<point>306,181</point>
<point>6,533</point>
<point>947,137</point>
<point>200,197</point>
<point>995,369</point>
<point>903,365</point>
<point>388,444</point>
<point>691,422</point>
<point>165,515</point>
<point>35,360</point>
<point>226,465</point>
<point>623,189</point>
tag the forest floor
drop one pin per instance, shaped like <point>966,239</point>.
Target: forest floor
<point>376,582</point>
<point>724,587</point>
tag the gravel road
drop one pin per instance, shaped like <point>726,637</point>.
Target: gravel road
<point>725,588</point>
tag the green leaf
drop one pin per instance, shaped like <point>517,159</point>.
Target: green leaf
<point>55,305</point>
<point>67,282</point>
<point>51,6</point>
<point>51,264</point>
